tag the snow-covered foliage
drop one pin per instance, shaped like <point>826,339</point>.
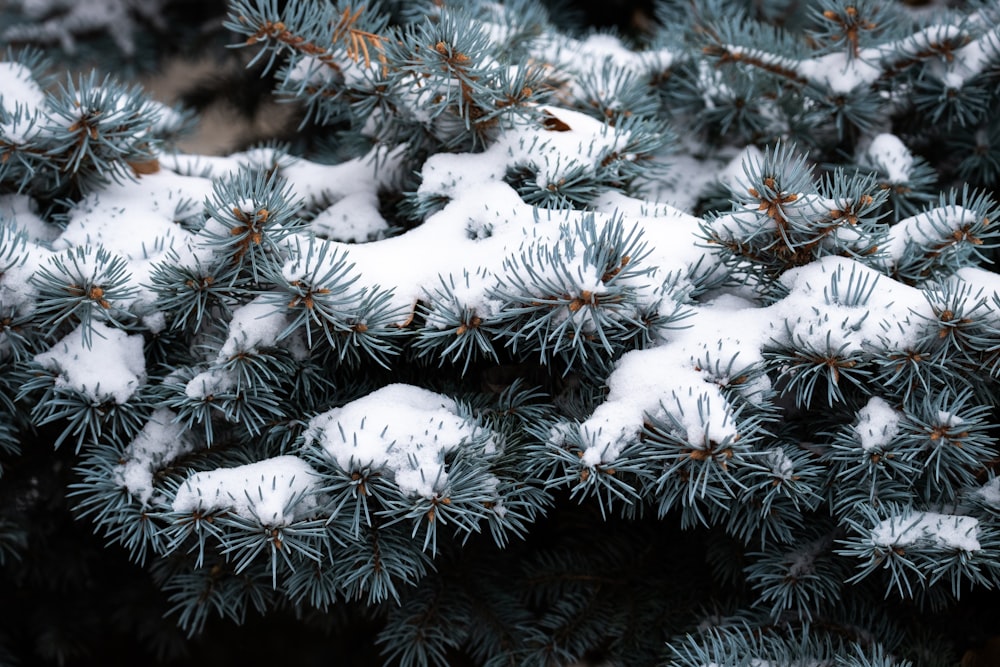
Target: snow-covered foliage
<point>306,382</point>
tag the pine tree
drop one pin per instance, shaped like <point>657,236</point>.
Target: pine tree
<point>670,346</point>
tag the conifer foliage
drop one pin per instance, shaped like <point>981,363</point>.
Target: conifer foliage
<point>676,347</point>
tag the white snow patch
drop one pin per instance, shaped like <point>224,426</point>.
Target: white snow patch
<point>838,72</point>
<point>21,259</point>
<point>890,154</point>
<point>669,379</point>
<point>20,211</point>
<point>135,220</point>
<point>990,493</point>
<point>273,492</point>
<point>682,375</point>
<point>159,442</point>
<point>254,325</point>
<point>878,424</point>
<point>947,531</point>
<point>112,368</point>
<point>971,59</point>
<point>818,309</point>
<point>948,419</point>
<point>403,429</point>
<point>782,466</point>
<point>981,284</point>
<point>733,175</point>
<point>156,322</point>
<point>127,217</point>
<point>353,219</point>
<point>19,89</point>
<point>209,383</point>
<point>936,226</point>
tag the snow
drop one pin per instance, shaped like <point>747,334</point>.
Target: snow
<point>839,72</point>
<point>890,316</point>
<point>550,153</point>
<point>22,100</point>
<point>486,222</point>
<point>273,492</point>
<point>981,283</point>
<point>19,89</point>
<point>923,40</point>
<point>402,429</point>
<point>928,229</point>
<point>734,176</point>
<point>948,419</point>
<point>474,244</point>
<point>782,466</point>
<point>947,531</point>
<point>312,181</point>
<point>254,325</point>
<point>671,377</point>
<point>165,119</point>
<point>209,383</point>
<point>878,424</point>
<point>161,441</point>
<point>603,46</point>
<point>21,211</point>
<point>155,322</point>
<point>555,153</point>
<point>148,205</point>
<point>636,389</point>
<point>990,493</point>
<point>21,128</point>
<point>311,70</point>
<point>891,155</point>
<point>836,72</point>
<point>353,219</point>
<point>973,58</point>
<point>602,55</point>
<point>963,63</point>
<point>19,259</point>
<point>466,292</point>
<point>136,220</point>
<point>485,226</point>
<point>112,367</point>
